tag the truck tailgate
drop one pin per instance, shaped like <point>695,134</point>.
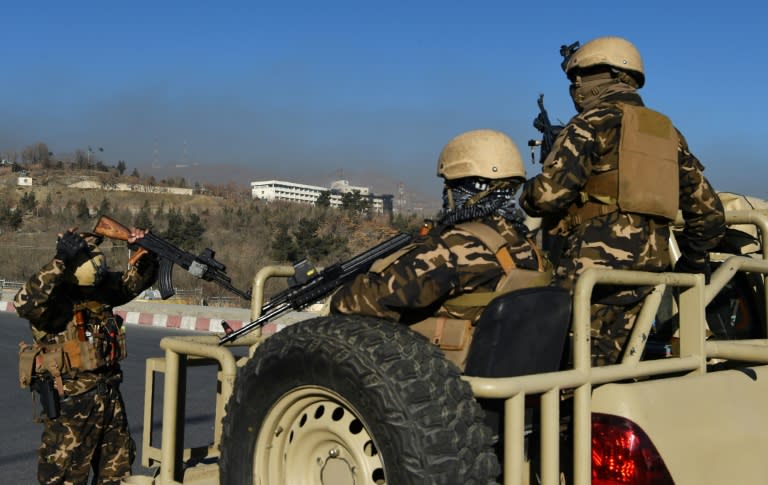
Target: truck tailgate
<point>709,429</point>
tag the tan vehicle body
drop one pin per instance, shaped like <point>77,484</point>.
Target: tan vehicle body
<point>709,427</point>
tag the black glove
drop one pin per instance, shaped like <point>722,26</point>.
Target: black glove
<point>688,265</point>
<point>69,246</point>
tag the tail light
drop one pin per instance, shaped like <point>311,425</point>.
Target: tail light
<point>622,454</point>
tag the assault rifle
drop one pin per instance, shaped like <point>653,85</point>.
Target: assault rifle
<point>203,266</point>
<point>548,132</point>
<point>309,285</point>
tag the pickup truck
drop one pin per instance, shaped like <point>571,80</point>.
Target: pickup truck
<point>338,400</point>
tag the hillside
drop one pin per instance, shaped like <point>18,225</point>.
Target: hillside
<point>245,234</point>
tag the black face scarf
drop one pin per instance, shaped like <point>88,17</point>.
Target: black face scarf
<point>475,198</point>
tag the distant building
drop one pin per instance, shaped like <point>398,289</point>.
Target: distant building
<point>271,190</point>
<point>344,187</point>
<point>121,187</point>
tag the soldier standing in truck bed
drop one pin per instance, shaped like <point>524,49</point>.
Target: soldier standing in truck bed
<point>614,180</point>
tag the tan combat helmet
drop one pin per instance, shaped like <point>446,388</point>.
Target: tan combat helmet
<point>488,154</point>
<point>616,52</point>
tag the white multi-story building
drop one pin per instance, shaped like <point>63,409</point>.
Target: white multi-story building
<point>271,190</point>
<point>280,190</point>
<point>344,187</point>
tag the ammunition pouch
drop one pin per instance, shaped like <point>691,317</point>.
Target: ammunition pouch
<point>102,345</point>
<point>36,359</point>
<point>27,363</point>
<point>110,340</point>
<point>452,335</point>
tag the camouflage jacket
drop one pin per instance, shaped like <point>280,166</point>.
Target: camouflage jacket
<point>48,301</point>
<point>589,144</point>
<point>446,263</point>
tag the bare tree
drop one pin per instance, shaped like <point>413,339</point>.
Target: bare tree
<point>81,159</point>
<point>37,153</point>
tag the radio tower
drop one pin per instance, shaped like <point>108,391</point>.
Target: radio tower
<point>401,201</point>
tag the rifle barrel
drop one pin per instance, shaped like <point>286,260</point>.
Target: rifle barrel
<point>259,322</point>
<point>324,283</point>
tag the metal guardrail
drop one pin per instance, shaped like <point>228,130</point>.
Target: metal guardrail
<point>10,285</point>
<point>8,289</point>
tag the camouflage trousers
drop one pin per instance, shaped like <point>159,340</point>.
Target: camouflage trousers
<point>611,325</point>
<point>90,433</point>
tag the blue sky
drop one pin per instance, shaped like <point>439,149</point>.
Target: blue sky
<point>370,91</point>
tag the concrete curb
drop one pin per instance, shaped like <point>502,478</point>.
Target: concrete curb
<point>190,317</point>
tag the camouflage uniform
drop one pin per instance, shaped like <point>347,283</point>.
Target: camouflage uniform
<point>589,145</point>
<point>92,429</point>
<point>446,263</point>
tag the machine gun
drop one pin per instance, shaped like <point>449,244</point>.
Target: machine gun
<point>548,132</point>
<point>203,266</point>
<point>308,285</point>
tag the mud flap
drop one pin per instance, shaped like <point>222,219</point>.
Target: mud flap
<point>521,332</point>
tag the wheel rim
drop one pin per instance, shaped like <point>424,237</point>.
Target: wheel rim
<point>314,436</point>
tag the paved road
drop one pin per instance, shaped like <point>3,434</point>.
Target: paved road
<point>20,436</point>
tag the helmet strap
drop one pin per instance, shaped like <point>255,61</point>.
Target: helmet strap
<point>626,78</point>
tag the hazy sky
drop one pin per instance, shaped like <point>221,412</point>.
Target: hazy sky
<point>371,91</point>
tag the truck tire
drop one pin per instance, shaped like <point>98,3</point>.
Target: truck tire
<point>353,400</point>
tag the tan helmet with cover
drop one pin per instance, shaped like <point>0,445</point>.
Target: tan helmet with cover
<point>488,154</point>
<point>610,51</point>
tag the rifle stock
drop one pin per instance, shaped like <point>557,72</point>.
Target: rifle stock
<point>108,227</point>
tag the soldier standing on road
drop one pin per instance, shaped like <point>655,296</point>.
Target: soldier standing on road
<point>614,180</point>
<point>74,361</point>
<point>454,269</point>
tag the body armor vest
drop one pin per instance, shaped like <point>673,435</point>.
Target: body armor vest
<point>647,178</point>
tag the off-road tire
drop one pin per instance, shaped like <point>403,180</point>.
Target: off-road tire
<point>350,399</point>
